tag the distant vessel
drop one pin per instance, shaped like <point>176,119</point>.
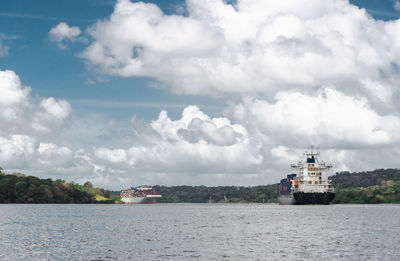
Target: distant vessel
<point>139,195</point>
<point>307,186</point>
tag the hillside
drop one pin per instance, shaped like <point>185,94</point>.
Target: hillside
<point>377,186</point>
<point>21,188</point>
<point>201,194</point>
<point>345,179</point>
<point>387,192</point>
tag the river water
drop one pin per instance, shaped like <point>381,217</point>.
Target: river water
<point>199,232</point>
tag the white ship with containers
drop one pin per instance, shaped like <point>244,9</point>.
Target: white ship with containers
<point>139,195</point>
<point>309,185</point>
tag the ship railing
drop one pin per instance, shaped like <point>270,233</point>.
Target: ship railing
<point>153,196</point>
<point>330,190</point>
<point>315,188</point>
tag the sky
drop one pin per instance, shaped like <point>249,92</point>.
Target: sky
<point>196,92</point>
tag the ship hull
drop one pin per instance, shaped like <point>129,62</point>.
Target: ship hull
<point>138,200</point>
<point>132,200</point>
<point>302,198</point>
<point>286,200</point>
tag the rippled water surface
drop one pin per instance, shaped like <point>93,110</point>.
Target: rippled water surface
<point>199,232</point>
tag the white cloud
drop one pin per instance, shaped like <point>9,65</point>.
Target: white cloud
<point>285,154</point>
<point>165,151</point>
<point>58,109</point>
<point>3,50</point>
<point>178,146</point>
<point>328,118</point>
<point>25,120</point>
<point>312,72</point>
<point>62,33</point>
<point>251,47</point>
<point>50,115</point>
<point>21,113</point>
<point>396,5</point>
<point>195,126</point>
<point>16,150</point>
<point>53,155</point>
<point>14,97</point>
<point>295,73</point>
<point>113,156</point>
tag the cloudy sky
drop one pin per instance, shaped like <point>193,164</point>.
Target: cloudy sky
<point>197,92</point>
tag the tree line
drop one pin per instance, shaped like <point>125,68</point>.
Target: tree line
<point>378,186</point>
<point>202,194</point>
<point>20,188</point>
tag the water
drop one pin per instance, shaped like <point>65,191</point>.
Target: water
<point>199,232</point>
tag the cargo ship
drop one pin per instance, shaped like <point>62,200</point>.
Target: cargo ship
<point>139,195</point>
<point>308,185</point>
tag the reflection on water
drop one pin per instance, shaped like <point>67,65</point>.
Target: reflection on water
<point>199,231</point>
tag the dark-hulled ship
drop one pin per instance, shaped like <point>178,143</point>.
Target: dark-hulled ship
<point>309,185</point>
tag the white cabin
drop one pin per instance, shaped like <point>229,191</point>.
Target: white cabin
<point>311,175</point>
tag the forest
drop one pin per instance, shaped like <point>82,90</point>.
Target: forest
<point>21,188</point>
<point>201,194</point>
<point>378,186</point>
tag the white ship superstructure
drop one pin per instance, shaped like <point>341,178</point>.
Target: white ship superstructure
<point>311,175</point>
<point>309,185</point>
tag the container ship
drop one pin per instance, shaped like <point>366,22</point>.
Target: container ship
<point>308,185</point>
<point>139,195</point>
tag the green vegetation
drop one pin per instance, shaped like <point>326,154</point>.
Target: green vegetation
<point>20,188</point>
<point>388,192</point>
<point>201,194</point>
<point>378,186</point>
<point>345,179</point>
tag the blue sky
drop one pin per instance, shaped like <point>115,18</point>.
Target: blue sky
<point>24,27</point>
<point>212,94</point>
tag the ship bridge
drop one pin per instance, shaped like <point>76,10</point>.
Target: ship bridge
<point>310,172</point>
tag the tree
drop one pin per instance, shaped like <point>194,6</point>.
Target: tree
<point>88,185</point>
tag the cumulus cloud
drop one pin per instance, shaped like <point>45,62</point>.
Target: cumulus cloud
<point>50,115</point>
<point>294,73</point>
<point>51,154</point>
<point>27,124</point>
<point>63,33</point>
<point>167,151</point>
<point>329,118</point>
<point>195,126</point>
<point>24,120</point>
<point>176,146</point>
<point>16,150</point>
<point>14,96</point>
<point>250,47</point>
<point>113,156</point>
<point>21,113</point>
<point>58,109</point>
